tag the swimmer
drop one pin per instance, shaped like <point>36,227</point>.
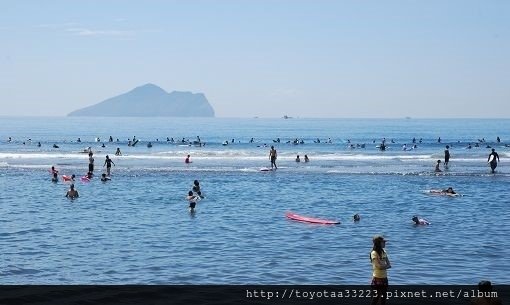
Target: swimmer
<point>187,160</point>
<point>67,178</point>
<point>104,178</point>
<point>306,159</point>
<point>72,193</point>
<point>356,217</point>
<point>149,145</point>
<point>438,170</point>
<point>449,192</point>
<point>55,146</point>
<point>53,170</point>
<point>54,179</point>
<point>420,221</point>
<point>196,186</point>
<point>297,159</point>
<point>118,153</point>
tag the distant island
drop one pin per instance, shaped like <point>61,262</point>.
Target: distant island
<point>150,101</point>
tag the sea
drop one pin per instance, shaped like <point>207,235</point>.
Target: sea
<point>137,228</point>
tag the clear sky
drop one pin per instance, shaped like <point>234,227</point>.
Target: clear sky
<point>261,58</point>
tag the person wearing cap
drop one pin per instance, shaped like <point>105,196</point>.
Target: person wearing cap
<point>380,263</point>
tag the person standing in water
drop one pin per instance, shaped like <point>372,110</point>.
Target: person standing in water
<point>493,163</point>
<point>380,265</point>
<point>108,162</point>
<point>446,156</point>
<point>91,162</point>
<point>72,193</point>
<point>272,157</point>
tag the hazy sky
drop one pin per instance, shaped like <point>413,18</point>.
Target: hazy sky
<point>261,58</point>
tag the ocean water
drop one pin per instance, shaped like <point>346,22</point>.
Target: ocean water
<point>136,228</point>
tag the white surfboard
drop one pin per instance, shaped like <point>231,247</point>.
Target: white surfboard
<point>491,158</point>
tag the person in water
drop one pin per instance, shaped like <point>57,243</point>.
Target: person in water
<point>187,160</point>
<point>192,199</point>
<point>108,162</point>
<point>297,159</point>
<point>118,153</point>
<point>485,296</point>
<point>272,157</point>
<point>438,170</point>
<point>72,193</point>
<point>55,177</point>
<point>449,191</point>
<point>91,162</point>
<point>356,217</point>
<point>306,158</point>
<point>196,186</point>
<point>380,265</point>
<point>446,156</point>
<point>104,178</point>
<point>493,163</point>
<point>420,221</point>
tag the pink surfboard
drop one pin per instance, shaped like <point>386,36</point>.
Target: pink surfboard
<point>297,217</point>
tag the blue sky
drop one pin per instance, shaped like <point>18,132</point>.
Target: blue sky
<point>261,58</point>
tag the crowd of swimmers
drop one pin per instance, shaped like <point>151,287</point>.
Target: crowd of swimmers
<point>72,193</point>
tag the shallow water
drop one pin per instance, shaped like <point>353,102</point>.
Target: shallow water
<point>137,228</point>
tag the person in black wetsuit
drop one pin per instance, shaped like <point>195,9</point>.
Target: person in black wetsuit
<point>446,156</point>
<point>495,160</point>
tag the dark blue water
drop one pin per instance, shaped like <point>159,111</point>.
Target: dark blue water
<point>137,228</point>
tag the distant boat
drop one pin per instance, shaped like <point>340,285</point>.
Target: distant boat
<point>408,117</point>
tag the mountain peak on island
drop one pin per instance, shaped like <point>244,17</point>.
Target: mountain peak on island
<point>150,100</point>
<point>148,88</point>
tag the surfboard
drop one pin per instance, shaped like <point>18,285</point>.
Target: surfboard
<point>66,178</point>
<point>491,158</point>
<point>265,169</point>
<point>297,217</point>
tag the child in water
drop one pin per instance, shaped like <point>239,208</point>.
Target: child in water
<point>438,170</point>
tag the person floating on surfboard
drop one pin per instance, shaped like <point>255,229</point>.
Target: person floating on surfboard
<point>492,160</point>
